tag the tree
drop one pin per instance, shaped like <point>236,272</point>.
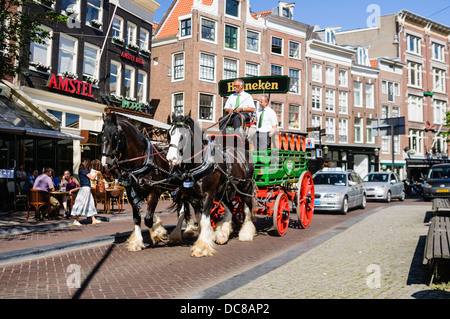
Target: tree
<point>19,27</point>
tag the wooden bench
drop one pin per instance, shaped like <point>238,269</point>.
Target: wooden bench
<point>437,245</point>
<point>440,204</point>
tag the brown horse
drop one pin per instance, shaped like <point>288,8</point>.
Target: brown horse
<point>208,178</point>
<point>144,171</point>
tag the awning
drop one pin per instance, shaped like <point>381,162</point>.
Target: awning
<point>16,119</point>
<point>145,120</point>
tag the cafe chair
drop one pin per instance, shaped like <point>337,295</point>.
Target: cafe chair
<point>101,197</point>
<point>20,199</point>
<point>37,199</point>
<point>72,198</point>
<point>116,195</point>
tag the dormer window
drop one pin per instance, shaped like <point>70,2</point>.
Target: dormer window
<point>232,8</point>
<point>330,37</point>
<point>286,10</point>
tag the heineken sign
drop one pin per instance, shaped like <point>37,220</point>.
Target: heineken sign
<point>257,85</point>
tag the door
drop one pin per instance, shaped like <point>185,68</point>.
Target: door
<point>396,186</point>
<point>352,191</point>
<point>359,190</point>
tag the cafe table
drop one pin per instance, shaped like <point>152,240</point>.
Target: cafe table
<point>116,192</point>
<point>58,195</point>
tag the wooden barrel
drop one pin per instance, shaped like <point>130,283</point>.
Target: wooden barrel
<point>303,144</point>
<point>286,141</point>
<point>278,141</point>
<point>298,142</point>
<point>292,142</point>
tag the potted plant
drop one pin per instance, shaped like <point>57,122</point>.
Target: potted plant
<point>90,79</point>
<point>47,3</point>
<point>41,67</point>
<point>145,52</point>
<point>133,47</point>
<point>70,75</point>
<point>96,23</point>
<point>118,40</point>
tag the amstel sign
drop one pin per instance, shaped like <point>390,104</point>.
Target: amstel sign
<point>70,85</point>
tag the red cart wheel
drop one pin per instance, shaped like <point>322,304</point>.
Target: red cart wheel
<point>281,212</point>
<point>305,197</point>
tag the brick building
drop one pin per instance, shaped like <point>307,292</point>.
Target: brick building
<point>416,80</point>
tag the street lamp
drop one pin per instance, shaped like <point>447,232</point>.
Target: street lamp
<point>325,151</point>
<point>377,151</point>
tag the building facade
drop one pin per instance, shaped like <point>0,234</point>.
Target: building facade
<point>99,57</point>
<point>420,90</point>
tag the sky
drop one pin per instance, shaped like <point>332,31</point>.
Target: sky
<point>348,14</point>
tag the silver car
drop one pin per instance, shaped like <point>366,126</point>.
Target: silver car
<point>338,190</point>
<point>384,186</point>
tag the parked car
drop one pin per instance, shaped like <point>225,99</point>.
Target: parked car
<point>437,183</point>
<point>384,186</point>
<point>338,190</point>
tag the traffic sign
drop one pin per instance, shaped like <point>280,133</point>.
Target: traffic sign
<point>310,143</point>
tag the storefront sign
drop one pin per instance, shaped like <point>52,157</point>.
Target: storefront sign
<point>132,58</point>
<point>130,105</point>
<point>257,85</point>
<point>70,85</point>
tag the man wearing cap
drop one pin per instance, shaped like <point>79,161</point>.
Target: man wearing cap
<point>267,124</point>
<point>239,103</point>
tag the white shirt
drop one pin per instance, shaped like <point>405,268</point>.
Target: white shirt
<point>270,119</point>
<point>245,101</point>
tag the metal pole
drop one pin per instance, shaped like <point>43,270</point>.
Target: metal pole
<point>393,148</point>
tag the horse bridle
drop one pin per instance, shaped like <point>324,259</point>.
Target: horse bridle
<point>174,126</point>
<point>117,136</point>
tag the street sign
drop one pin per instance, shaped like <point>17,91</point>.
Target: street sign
<point>390,126</point>
<point>310,143</point>
<point>313,129</point>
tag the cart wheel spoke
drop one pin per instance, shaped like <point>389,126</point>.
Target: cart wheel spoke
<point>281,213</point>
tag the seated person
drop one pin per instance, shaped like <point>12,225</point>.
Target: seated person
<point>44,183</point>
<point>266,125</point>
<point>239,103</point>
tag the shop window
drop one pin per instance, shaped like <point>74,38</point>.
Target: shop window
<point>72,120</point>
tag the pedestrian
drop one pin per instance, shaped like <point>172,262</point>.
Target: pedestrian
<point>84,203</point>
<point>21,175</point>
<point>70,185</point>
<point>238,104</point>
<point>266,126</point>
<point>44,183</point>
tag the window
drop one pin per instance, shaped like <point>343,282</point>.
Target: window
<point>277,46</point>
<point>416,141</point>
<point>72,120</point>
<point>67,55</point>
<point>358,130</point>
<point>357,94</point>
<point>40,53</point>
<point>114,78</point>
<point>129,82</point>
<point>330,77</point>
<point>231,36</point>
<point>185,27</point>
<point>294,50</point>
<point>94,13</point>
<point>370,97</point>
<point>232,8</point>
<point>294,76</point>
<point>276,70</point>
<point>317,72</point>
<point>206,107</point>
<point>385,111</point>
<point>278,108</point>
<point>415,108</point>
<point>142,87</point>
<point>439,112</point>
<point>69,7</point>
<point>294,116</point>
<point>369,131</point>
<point>330,129</point>
<point>415,74</point>
<point>343,102</point>
<point>343,78</point>
<point>413,44</point>
<point>117,28</point>
<point>395,111</point>
<point>208,30</point>
<point>438,52</point>
<point>343,131</point>
<point>316,121</point>
<point>143,39</point>
<point>230,68</point>
<point>330,101</point>
<point>178,66</point>
<point>252,41</point>
<point>207,67</point>
<point>178,104</point>
<point>385,144</point>
<point>316,98</point>
<point>90,61</point>
<point>251,69</point>
<point>131,34</point>
<point>438,80</point>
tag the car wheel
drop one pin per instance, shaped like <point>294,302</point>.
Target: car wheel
<point>402,196</point>
<point>344,208</point>
<point>388,197</point>
<point>364,202</point>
